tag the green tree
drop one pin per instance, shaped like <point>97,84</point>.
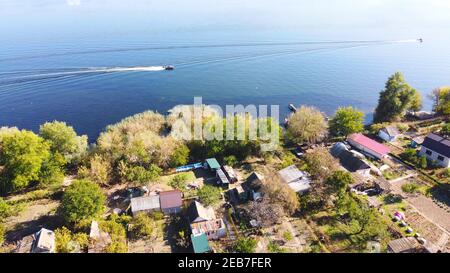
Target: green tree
<point>52,170</point>
<point>244,245</point>
<point>209,195</point>
<point>307,125</point>
<point>22,154</point>
<point>321,163</point>
<point>230,160</point>
<point>68,242</point>
<point>397,98</point>
<point>100,170</point>
<point>441,100</point>
<point>83,200</point>
<point>410,155</point>
<point>141,175</point>
<point>339,181</point>
<point>64,140</point>
<point>180,156</point>
<point>346,120</point>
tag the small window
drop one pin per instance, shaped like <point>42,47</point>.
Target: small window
<point>428,152</point>
<point>440,158</point>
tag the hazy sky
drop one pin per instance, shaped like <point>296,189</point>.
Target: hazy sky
<point>121,15</point>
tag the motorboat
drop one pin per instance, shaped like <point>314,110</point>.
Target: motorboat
<point>169,67</point>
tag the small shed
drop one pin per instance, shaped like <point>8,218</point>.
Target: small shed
<point>222,178</point>
<point>240,193</point>
<point>417,141</point>
<point>230,173</point>
<point>171,201</point>
<point>405,245</point>
<point>200,243</point>
<point>145,204</point>
<point>254,181</point>
<point>45,241</point>
<point>297,180</point>
<point>389,133</point>
<point>213,164</point>
<point>198,213</point>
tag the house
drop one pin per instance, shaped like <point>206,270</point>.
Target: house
<point>350,160</point>
<point>405,245</point>
<point>145,204</point>
<point>171,201</point>
<point>422,115</point>
<point>213,164</point>
<point>230,173</point>
<point>44,241</point>
<point>200,244</point>
<point>389,133</point>
<point>203,221</point>
<point>254,181</point>
<point>222,178</point>
<point>297,180</point>
<point>368,146</point>
<point>436,148</point>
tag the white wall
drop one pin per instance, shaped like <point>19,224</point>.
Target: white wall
<point>434,156</point>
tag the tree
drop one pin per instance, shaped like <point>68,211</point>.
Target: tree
<point>410,155</point>
<point>64,140</point>
<point>141,175</point>
<point>83,200</point>
<point>339,181</point>
<point>397,98</point>
<point>307,125</point>
<point>244,245</point>
<point>180,156</point>
<point>441,100</point>
<point>68,242</point>
<point>279,193</point>
<point>52,170</point>
<point>321,163</point>
<point>209,195</point>
<point>346,120</point>
<point>22,155</point>
<point>99,171</point>
<point>230,160</point>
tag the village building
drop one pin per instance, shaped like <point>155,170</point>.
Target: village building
<point>145,204</point>
<point>417,141</point>
<point>203,221</point>
<point>240,193</point>
<point>171,201</point>
<point>230,173</point>
<point>222,178</point>
<point>297,180</point>
<point>200,244</point>
<point>350,160</point>
<point>368,146</point>
<point>213,164</point>
<point>389,133</point>
<point>436,148</point>
<point>405,245</point>
<point>44,241</point>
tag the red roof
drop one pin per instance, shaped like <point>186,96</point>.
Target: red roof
<point>170,199</point>
<point>369,144</point>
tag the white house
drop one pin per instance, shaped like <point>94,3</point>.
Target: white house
<point>203,221</point>
<point>389,133</point>
<point>436,148</point>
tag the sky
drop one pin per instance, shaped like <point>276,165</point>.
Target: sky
<point>53,16</point>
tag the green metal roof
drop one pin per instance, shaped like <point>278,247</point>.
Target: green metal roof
<point>213,164</point>
<point>200,243</point>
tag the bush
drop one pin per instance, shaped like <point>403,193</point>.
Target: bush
<point>142,226</point>
<point>141,175</point>
<point>410,155</point>
<point>180,156</point>
<point>423,162</point>
<point>230,160</point>
<point>273,247</point>
<point>287,236</point>
<point>410,188</point>
<point>2,233</point>
<point>179,181</point>
<point>67,242</point>
<point>117,233</point>
<point>209,195</point>
<point>288,160</point>
<point>244,245</point>
<point>83,200</point>
<point>5,209</point>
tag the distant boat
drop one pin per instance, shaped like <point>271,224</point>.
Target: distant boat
<point>292,107</point>
<point>169,67</point>
<point>420,40</point>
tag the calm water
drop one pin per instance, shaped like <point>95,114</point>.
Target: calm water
<point>65,76</point>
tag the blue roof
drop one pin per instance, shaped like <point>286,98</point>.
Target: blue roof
<point>213,163</point>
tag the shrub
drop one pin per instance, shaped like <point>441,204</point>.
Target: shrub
<point>179,181</point>
<point>209,195</point>
<point>230,160</point>
<point>5,209</point>
<point>287,236</point>
<point>244,245</point>
<point>141,175</point>
<point>410,188</point>
<point>288,160</point>
<point>142,226</point>
<point>2,233</point>
<point>67,242</point>
<point>423,162</point>
<point>273,247</point>
<point>410,155</point>
<point>117,233</point>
